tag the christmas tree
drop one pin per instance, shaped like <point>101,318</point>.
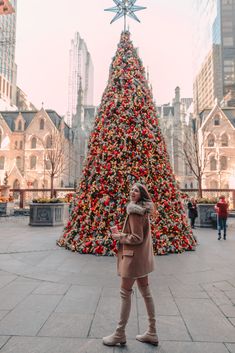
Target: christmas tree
<point>126,146</point>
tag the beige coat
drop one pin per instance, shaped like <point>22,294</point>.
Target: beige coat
<point>135,253</point>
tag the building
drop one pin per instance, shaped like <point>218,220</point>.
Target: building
<point>8,68</point>
<point>214,52</point>
<point>217,142</point>
<point>81,71</point>
<point>176,126</point>
<point>24,140</point>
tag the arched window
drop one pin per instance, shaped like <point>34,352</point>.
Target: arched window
<point>223,162</point>
<point>47,164</point>
<point>16,145</point>
<point>33,162</point>
<point>42,124</point>
<point>217,120</point>
<point>214,184</point>
<point>16,184</point>
<point>61,183</point>
<point>49,142</point>
<point>224,140</point>
<point>19,162</point>
<point>20,125</point>
<point>33,143</point>
<point>2,162</point>
<point>185,186</point>
<point>213,163</point>
<point>211,140</point>
<point>21,145</point>
<point>35,184</point>
<point>191,185</point>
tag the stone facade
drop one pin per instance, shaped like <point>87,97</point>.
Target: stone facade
<point>23,137</point>
<point>176,124</point>
<point>217,142</point>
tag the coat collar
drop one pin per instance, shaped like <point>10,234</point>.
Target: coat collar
<point>141,209</point>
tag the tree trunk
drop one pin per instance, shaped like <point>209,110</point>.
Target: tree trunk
<point>199,180</point>
<point>52,186</point>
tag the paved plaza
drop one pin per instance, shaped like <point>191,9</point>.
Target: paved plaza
<point>56,301</point>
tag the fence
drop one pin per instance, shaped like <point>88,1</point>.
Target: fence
<point>22,197</point>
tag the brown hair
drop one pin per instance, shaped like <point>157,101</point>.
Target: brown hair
<point>144,195</point>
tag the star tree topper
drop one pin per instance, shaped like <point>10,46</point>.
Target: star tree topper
<point>125,8</point>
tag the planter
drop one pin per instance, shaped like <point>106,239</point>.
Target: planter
<point>6,208</point>
<point>205,215</point>
<point>48,214</point>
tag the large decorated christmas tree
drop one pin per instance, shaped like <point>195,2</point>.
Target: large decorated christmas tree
<point>126,146</point>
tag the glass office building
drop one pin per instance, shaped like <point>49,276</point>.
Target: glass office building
<point>8,68</point>
<point>214,51</point>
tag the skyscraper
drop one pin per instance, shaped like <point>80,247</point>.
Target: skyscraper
<point>214,51</point>
<point>8,68</point>
<point>80,71</point>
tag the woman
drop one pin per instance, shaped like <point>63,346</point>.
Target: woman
<point>192,212</point>
<point>135,262</point>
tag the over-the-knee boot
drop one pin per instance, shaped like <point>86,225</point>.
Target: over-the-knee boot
<point>119,336</point>
<point>150,335</point>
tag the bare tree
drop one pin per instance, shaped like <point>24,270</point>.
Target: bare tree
<point>56,155</point>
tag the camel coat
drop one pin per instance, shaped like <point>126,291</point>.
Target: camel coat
<point>135,253</point>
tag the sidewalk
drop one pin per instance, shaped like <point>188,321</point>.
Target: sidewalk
<point>56,301</point>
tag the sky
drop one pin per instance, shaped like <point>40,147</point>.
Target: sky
<point>44,33</point>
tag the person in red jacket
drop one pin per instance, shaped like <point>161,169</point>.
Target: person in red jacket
<point>222,214</point>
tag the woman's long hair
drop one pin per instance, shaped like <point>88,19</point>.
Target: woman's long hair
<point>146,198</point>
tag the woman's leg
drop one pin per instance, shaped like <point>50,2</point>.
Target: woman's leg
<point>150,335</point>
<point>119,336</point>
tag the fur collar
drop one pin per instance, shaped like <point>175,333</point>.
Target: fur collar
<point>146,207</point>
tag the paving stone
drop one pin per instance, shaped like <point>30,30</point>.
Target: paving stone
<point>232,320</point>
<point>5,279</point>
<point>231,347</point>
<point>3,340</point>
<point>230,293</point>
<point>205,322</point>
<point>164,306</point>
<point>228,310</point>
<point>67,325</point>
<point>39,302</point>
<point>192,347</point>
<point>224,285</point>
<point>52,288</point>
<point>3,313</point>
<point>80,300</point>
<point>168,327</point>
<point>54,345</point>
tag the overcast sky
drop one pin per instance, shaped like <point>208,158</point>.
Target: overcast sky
<point>45,30</point>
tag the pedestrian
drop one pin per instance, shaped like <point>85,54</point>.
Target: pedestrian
<point>135,260</point>
<point>222,214</point>
<point>192,212</point>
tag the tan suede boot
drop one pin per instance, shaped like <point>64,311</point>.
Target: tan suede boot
<point>150,336</point>
<point>119,336</point>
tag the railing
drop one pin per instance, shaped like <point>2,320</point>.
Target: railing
<point>22,197</point>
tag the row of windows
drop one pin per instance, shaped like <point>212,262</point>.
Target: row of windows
<point>33,143</point>
<point>223,140</point>
<point>223,163</point>
<point>20,125</point>
<point>19,163</point>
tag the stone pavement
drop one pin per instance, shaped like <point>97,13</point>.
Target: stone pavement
<point>56,301</point>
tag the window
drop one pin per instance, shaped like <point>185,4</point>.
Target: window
<point>0,138</point>
<point>16,145</point>
<point>33,143</point>
<point>2,162</point>
<point>185,186</point>
<point>19,163</point>
<point>217,120</point>
<point>42,124</point>
<point>214,184</point>
<point>211,141</point>
<point>20,125</point>
<point>223,162</point>
<point>191,185</point>
<point>49,142</point>
<point>47,164</point>
<point>224,140</point>
<point>213,163</point>
<point>21,145</point>
<point>33,162</point>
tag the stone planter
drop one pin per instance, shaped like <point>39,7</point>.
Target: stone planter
<point>205,213</point>
<point>48,214</point>
<point>6,208</point>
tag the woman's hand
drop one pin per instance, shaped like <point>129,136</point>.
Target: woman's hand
<point>115,232</point>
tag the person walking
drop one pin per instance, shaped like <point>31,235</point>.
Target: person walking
<point>192,212</point>
<point>135,260</point>
<point>222,214</point>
